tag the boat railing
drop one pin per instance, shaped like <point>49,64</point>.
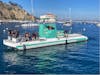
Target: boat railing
<point>25,39</point>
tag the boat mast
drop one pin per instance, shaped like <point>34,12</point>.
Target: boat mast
<point>70,14</point>
<point>32,8</point>
<point>70,20</point>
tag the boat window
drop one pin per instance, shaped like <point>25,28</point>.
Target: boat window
<point>50,28</point>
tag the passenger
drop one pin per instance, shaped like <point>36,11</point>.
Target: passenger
<point>9,35</point>
<point>27,36</point>
<point>34,36</point>
<point>37,35</point>
<point>13,33</point>
<point>65,33</point>
<point>16,33</point>
<point>9,32</point>
<point>30,38</point>
<point>50,27</point>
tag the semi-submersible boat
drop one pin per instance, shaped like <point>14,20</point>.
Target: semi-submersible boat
<point>48,35</point>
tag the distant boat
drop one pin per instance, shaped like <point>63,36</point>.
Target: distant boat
<point>29,24</point>
<point>59,22</point>
<point>68,23</point>
<point>98,24</point>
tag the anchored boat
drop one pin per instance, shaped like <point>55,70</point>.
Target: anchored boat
<point>98,24</point>
<point>48,36</point>
<point>68,23</point>
<point>29,24</point>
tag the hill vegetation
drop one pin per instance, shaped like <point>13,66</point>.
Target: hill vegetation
<point>13,11</point>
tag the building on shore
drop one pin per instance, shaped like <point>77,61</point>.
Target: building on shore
<point>48,18</point>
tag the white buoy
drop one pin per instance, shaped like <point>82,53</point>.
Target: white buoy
<point>84,29</point>
<point>6,28</point>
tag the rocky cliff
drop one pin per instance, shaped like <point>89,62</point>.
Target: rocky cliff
<point>13,11</point>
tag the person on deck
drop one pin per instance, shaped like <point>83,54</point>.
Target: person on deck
<point>9,35</point>
<point>27,36</point>
<point>34,36</point>
<point>65,33</point>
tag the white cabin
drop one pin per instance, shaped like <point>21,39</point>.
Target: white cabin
<point>48,18</point>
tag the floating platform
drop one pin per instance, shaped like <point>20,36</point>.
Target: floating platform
<point>71,38</point>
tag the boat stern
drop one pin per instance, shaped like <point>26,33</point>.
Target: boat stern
<point>9,43</point>
<point>76,38</point>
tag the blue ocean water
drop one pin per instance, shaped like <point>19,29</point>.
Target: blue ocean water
<point>74,58</point>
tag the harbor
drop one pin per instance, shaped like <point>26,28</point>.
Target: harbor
<point>66,55</point>
<point>49,37</point>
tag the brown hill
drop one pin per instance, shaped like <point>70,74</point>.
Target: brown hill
<point>13,11</point>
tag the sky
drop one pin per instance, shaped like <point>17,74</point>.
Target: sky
<point>80,9</point>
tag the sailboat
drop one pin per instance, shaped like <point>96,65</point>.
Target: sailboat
<point>30,23</point>
<point>68,23</point>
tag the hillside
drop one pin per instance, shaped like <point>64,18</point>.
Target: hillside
<point>13,11</point>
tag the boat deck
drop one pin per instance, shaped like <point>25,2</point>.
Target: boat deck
<point>45,42</point>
